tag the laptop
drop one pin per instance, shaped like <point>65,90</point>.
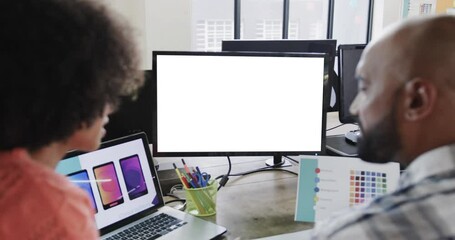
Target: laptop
<point>122,183</point>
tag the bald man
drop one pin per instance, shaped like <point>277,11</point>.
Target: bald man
<point>406,111</point>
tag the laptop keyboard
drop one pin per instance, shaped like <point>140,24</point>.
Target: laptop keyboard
<point>151,228</point>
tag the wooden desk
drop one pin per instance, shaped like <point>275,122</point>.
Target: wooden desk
<point>256,205</point>
<point>260,204</point>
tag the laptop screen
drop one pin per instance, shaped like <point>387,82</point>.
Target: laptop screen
<point>119,178</point>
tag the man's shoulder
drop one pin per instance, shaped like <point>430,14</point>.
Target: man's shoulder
<point>423,210</point>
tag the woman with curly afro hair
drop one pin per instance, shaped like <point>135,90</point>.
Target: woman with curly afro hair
<point>64,64</point>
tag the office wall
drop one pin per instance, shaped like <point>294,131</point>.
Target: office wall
<point>388,12</point>
<point>167,31</point>
<point>443,5</point>
<point>385,13</point>
<point>154,27</point>
<point>133,11</point>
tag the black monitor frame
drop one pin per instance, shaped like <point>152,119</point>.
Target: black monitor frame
<point>327,46</point>
<point>277,155</point>
<point>134,114</point>
<point>348,82</point>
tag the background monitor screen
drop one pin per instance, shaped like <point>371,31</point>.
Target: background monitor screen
<point>134,114</point>
<point>327,46</point>
<point>226,103</point>
<point>349,56</point>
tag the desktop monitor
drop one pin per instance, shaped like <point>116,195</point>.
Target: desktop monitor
<point>349,56</point>
<point>327,46</point>
<point>345,144</point>
<point>134,114</point>
<point>239,104</point>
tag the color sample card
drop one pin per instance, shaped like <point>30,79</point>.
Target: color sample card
<point>366,185</point>
<point>330,184</point>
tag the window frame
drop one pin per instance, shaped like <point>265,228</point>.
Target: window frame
<point>285,26</point>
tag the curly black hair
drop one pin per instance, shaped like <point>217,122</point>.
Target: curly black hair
<point>61,63</point>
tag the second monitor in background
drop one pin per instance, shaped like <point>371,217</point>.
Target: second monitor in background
<point>239,104</point>
<point>133,115</point>
<point>349,56</point>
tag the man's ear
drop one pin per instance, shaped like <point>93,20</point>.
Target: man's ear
<point>419,99</point>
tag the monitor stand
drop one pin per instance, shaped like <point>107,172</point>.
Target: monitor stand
<point>277,161</point>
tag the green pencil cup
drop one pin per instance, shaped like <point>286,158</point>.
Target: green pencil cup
<point>202,201</point>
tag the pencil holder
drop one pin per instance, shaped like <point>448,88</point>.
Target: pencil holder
<point>202,201</point>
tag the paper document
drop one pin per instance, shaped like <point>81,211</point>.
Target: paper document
<point>330,184</point>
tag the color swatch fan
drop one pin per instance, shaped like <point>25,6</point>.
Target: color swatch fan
<point>330,184</point>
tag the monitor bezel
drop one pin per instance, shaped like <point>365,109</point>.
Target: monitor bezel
<point>343,114</point>
<point>133,115</point>
<point>156,153</point>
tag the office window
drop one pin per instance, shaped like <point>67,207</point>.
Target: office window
<point>273,29</point>
<point>293,30</point>
<point>212,22</point>
<point>269,29</point>
<point>350,21</point>
<point>210,33</point>
<point>261,19</point>
<point>201,25</point>
<point>308,19</point>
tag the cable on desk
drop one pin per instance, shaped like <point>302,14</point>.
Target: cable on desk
<point>175,200</point>
<point>181,207</point>
<point>337,126</point>
<point>292,159</point>
<point>340,126</point>
<point>239,174</point>
<point>225,178</point>
<point>177,187</point>
<point>264,169</point>
<point>172,195</point>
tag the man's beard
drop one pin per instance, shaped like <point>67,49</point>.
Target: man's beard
<point>382,143</point>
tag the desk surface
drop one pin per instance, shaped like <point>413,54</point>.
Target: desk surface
<point>256,205</point>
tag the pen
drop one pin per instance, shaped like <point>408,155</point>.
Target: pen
<point>177,170</point>
<point>185,182</point>
<point>194,180</point>
<point>186,167</point>
<point>182,178</point>
<point>190,180</point>
<point>198,170</point>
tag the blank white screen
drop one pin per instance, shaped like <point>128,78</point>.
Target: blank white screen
<point>239,103</point>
